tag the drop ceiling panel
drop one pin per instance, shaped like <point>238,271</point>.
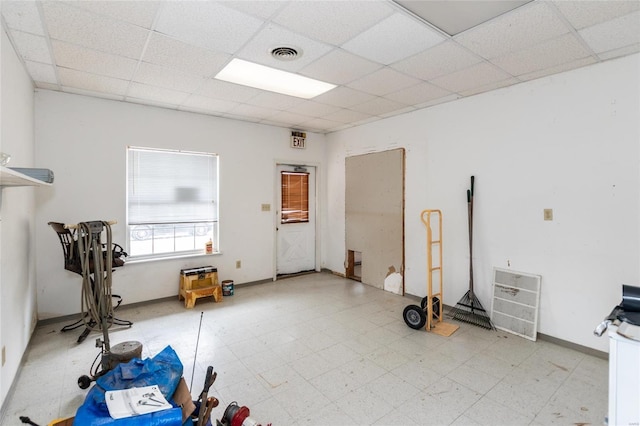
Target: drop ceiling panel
<point>252,111</point>
<point>260,8</point>
<point>344,97</point>
<point>617,53</point>
<point>383,81</point>
<point>377,106</point>
<point>442,59</point>
<point>168,78</point>
<point>418,94</point>
<point>258,50</point>
<point>140,13</point>
<point>83,59</point>
<point>157,94</point>
<point>289,117</point>
<point>614,34</point>
<point>566,48</point>
<point>41,73</point>
<point>395,38</point>
<point>558,69</point>
<point>332,22</point>
<point>516,30</point>
<point>320,124</point>
<point>172,53</point>
<point>207,24</point>
<point>489,87</point>
<point>80,27</point>
<point>473,77</point>
<point>314,109</point>
<point>583,14</point>
<point>273,100</point>
<point>23,16</point>
<point>347,116</point>
<point>92,82</point>
<point>218,89</point>
<point>32,47</point>
<point>330,67</point>
<point>203,103</point>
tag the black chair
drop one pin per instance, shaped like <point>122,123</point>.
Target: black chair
<point>72,262</point>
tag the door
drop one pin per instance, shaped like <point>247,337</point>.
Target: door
<point>296,219</point>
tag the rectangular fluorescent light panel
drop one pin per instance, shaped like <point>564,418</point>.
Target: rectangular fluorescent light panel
<point>273,80</point>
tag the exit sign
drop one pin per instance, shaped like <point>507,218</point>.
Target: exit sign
<point>298,140</point>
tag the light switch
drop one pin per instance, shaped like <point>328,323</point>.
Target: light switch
<point>548,214</point>
<point>266,207</point>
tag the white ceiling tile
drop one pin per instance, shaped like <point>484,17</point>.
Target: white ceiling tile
<point>523,27</point>
<point>168,52</point>
<point>331,67</point>
<point>623,51</point>
<point>340,20</point>
<point>289,117</point>
<point>558,68</point>
<point>42,73</point>
<point>158,94</point>
<point>155,75</point>
<point>141,13</point>
<point>22,15</point>
<point>439,60</point>
<point>260,8</point>
<point>82,59</point>
<point>314,109</point>
<point>377,106</point>
<point>80,27</point>
<point>491,86</point>
<point>84,92</point>
<point>31,47</point>
<point>583,14</point>
<point>398,111</point>
<point>218,89</point>
<point>438,101</point>
<point>395,38</point>
<point>383,81</point>
<point>320,124</point>
<point>614,34</point>
<point>566,48</point>
<point>203,103</point>
<point>274,100</point>
<point>258,50</point>
<point>343,97</point>
<point>96,83</point>
<point>207,24</point>
<point>152,102</point>
<point>470,78</point>
<point>47,86</point>
<point>252,111</point>
<point>418,94</point>
<point>347,116</point>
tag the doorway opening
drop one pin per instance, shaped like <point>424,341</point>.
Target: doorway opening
<point>354,268</point>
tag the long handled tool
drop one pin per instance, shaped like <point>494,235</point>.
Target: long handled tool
<point>469,309</point>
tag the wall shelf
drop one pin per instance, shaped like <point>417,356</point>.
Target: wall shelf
<point>9,177</point>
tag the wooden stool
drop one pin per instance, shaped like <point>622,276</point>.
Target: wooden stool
<point>199,282</point>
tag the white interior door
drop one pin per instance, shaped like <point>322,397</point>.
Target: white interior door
<point>296,219</point>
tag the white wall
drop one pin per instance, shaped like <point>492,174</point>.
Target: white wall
<point>569,142</point>
<point>17,235</point>
<point>83,140</point>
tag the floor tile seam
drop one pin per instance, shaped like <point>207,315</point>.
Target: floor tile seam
<point>564,406</point>
<point>505,407</point>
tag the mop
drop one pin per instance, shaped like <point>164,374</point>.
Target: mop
<point>469,309</point>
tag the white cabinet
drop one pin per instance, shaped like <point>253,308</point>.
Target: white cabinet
<point>624,380</point>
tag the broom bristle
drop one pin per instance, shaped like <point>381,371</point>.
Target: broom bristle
<point>470,310</point>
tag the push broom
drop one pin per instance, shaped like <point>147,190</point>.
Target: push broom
<point>469,309</point>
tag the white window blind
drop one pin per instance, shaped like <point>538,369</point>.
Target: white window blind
<point>171,195</point>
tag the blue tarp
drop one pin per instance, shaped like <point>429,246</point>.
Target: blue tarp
<point>164,370</point>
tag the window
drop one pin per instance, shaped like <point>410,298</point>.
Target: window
<point>295,197</point>
<point>172,202</point>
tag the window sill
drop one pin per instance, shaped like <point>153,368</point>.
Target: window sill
<point>144,259</point>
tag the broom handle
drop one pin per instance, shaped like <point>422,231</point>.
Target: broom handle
<point>470,242</point>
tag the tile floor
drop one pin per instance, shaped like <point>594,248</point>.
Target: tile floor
<point>322,350</point>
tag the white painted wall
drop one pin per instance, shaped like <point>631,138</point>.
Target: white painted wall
<point>569,142</point>
<point>17,213</point>
<point>83,140</point>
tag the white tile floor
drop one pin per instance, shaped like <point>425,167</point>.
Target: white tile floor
<point>321,350</point>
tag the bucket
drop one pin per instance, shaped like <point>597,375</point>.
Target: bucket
<point>227,288</point>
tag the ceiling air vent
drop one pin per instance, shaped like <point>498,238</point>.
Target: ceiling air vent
<point>285,53</point>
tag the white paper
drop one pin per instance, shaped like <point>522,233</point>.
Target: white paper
<point>135,401</point>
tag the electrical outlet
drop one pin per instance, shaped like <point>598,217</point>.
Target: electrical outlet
<point>4,355</point>
<point>238,264</point>
<point>548,214</point>
<point>266,207</point>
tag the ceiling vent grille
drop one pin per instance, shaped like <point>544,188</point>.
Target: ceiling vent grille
<point>285,53</point>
